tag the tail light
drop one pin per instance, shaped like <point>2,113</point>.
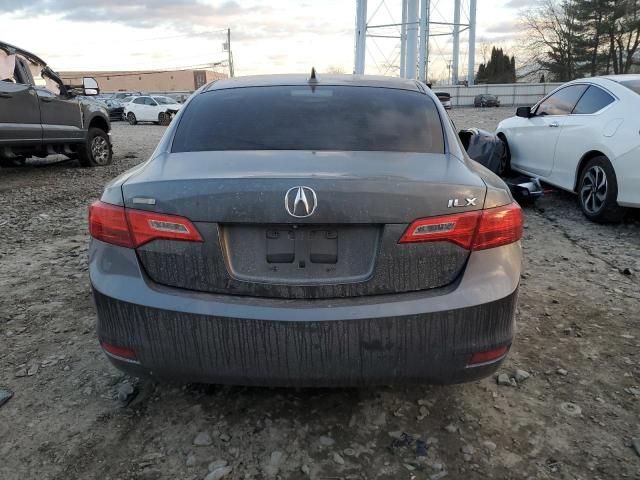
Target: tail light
<point>478,230</point>
<point>488,356</point>
<point>109,224</point>
<point>132,228</point>
<point>123,353</point>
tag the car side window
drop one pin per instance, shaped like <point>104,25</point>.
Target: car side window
<point>562,102</point>
<point>150,101</point>
<point>139,101</point>
<point>593,100</point>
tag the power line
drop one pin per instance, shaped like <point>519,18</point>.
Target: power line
<point>151,72</point>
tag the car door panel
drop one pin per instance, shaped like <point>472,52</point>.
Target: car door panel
<point>533,141</point>
<point>151,110</point>
<point>576,139</point>
<point>19,114</point>
<point>61,118</point>
<point>137,107</point>
<point>583,131</point>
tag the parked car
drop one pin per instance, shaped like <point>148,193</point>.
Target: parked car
<point>445,99</point>
<point>486,100</point>
<point>156,109</point>
<point>113,107</point>
<point>40,115</point>
<point>583,138</point>
<point>307,232</point>
<point>121,95</point>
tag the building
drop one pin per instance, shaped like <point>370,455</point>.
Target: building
<point>146,80</point>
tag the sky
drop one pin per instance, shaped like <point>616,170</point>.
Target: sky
<point>277,36</point>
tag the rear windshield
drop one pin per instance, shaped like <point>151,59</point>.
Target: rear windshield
<point>310,118</point>
<point>632,85</point>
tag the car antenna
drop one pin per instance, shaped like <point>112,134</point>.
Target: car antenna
<point>313,78</point>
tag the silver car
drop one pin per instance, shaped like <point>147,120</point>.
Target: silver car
<point>295,231</point>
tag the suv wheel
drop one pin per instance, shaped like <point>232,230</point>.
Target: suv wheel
<point>97,150</point>
<point>598,191</point>
<point>131,118</point>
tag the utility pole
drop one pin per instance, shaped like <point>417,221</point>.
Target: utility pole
<point>424,41</point>
<point>471,56</point>
<point>456,42</point>
<point>361,37</point>
<point>403,41</point>
<point>229,52</point>
<point>410,64</point>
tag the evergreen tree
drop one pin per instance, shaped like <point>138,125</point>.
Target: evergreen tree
<point>499,69</point>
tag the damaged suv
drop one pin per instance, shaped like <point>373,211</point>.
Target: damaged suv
<point>41,116</point>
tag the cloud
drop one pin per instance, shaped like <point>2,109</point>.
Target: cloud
<point>193,17</point>
<point>134,13</point>
<point>507,26</point>
<point>521,3</point>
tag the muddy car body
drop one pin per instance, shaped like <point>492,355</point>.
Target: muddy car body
<point>307,232</point>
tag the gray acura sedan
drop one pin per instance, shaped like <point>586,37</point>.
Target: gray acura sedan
<point>307,231</point>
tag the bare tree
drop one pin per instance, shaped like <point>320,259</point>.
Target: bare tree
<point>571,38</point>
<point>624,34</point>
<point>550,34</point>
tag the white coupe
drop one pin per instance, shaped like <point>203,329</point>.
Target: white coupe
<point>149,108</point>
<point>583,137</point>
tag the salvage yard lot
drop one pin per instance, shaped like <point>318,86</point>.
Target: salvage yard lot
<point>573,418</point>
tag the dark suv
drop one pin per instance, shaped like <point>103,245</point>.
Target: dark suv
<point>41,116</point>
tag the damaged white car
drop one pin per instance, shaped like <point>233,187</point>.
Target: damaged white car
<point>584,138</point>
<point>156,109</point>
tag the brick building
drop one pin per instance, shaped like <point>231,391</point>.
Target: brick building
<point>146,80</point>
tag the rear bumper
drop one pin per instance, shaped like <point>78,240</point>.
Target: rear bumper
<point>422,337</point>
<point>628,176</point>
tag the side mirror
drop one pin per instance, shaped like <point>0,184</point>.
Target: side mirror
<point>90,86</point>
<point>524,112</point>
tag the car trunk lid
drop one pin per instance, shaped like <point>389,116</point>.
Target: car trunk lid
<point>348,246</point>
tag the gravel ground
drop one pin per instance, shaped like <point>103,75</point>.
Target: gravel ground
<point>574,418</point>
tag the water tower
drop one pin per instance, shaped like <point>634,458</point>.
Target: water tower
<point>414,34</point>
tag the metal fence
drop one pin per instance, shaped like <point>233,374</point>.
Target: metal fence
<point>461,96</point>
<point>508,93</point>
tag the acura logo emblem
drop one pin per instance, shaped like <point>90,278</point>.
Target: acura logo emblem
<point>300,202</point>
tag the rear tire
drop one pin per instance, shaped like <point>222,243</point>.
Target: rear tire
<point>598,191</point>
<point>96,151</point>
<point>504,168</point>
<point>164,118</point>
<point>131,118</point>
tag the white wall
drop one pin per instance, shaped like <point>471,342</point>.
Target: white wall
<point>508,93</point>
